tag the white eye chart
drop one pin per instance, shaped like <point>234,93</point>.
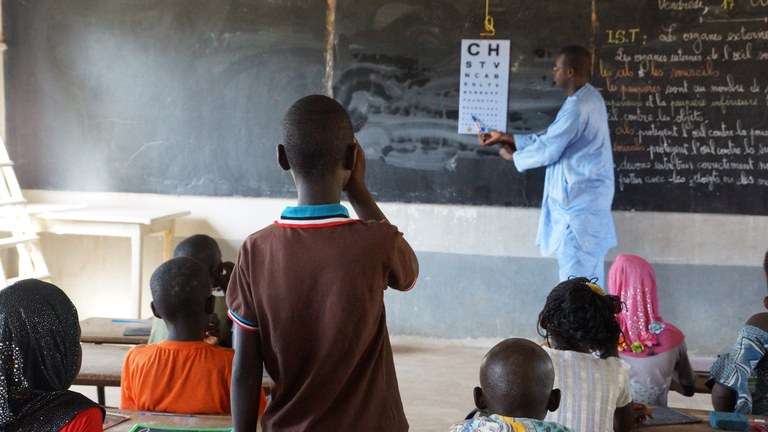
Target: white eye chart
<point>484,85</point>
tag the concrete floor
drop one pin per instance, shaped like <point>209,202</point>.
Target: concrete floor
<point>436,379</point>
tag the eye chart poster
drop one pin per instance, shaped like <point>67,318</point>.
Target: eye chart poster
<point>484,85</point>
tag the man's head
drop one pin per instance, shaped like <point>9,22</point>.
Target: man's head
<point>204,250</point>
<point>317,137</point>
<point>181,293</point>
<point>573,68</point>
<point>516,379</point>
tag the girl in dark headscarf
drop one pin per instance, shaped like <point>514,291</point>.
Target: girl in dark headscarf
<point>40,356</point>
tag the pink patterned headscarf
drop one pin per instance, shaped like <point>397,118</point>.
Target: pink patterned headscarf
<point>631,278</point>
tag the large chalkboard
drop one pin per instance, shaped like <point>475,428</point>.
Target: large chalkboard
<point>170,96</point>
<point>686,84</point>
<point>186,97</point>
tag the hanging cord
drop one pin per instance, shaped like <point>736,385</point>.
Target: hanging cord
<point>488,23</point>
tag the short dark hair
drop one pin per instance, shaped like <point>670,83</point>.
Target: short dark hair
<point>316,132</point>
<point>200,247</point>
<point>180,287</point>
<point>517,377</point>
<point>581,318</point>
<point>578,58</point>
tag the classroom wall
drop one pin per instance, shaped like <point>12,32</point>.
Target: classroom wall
<point>481,274</point>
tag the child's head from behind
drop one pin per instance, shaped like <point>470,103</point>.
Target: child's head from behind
<point>181,293</point>
<point>40,356</point>
<point>632,280</point>
<point>579,316</point>
<point>317,136</point>
<point>204,250</point>
<point>516,378</point>
<point>40,328</point>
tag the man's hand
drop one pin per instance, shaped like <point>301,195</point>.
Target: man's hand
<point>495,137</point>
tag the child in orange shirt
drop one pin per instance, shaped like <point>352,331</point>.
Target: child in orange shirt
<point>206,251</point>
<point>183,374</point>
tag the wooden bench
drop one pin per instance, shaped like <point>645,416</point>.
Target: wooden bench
<point>169,420</point>
<point>102,367</point>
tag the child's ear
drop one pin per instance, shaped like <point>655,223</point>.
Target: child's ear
<point>282,159</point>
<point>765,302</point>
<point>350,156</point>
<point>554,400</point>
<point>479,399</point>
<point>154,311</point>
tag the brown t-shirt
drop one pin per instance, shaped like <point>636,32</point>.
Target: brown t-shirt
<point>314,290</point>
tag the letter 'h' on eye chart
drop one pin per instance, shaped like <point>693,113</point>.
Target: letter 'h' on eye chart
<point>484,85</point>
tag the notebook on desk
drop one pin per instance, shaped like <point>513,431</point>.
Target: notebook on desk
<point>669,416</point>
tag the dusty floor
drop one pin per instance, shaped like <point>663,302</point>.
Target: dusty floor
<point>436,379</point>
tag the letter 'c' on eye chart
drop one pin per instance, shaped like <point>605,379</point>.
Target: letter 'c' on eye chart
<point>484,85</point>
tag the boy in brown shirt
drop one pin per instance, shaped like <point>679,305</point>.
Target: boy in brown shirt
<point>307,293</point>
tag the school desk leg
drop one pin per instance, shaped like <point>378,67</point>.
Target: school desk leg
<point>168,243</point>
<point>100,396</point>
<point>137,241</point>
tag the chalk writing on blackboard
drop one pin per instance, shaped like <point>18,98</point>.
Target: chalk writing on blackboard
<point>688,101</point>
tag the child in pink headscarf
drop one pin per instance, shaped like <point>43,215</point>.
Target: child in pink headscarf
<point>654,349</point>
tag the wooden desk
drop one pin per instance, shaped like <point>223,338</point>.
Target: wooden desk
<point>111,331</point>
<point>102,367</point>
<point>701,367</point>
<point>196,421</point>
<point>133,223</point>
<point>700,384</point>
<point>696,427</point>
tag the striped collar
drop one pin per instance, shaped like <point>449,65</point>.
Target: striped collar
<point>314,216</point>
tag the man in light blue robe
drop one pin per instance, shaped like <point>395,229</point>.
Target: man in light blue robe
<point>576,219</point>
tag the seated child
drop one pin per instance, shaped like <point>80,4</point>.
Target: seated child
<point>307,292</point>
<point>730,373</point>
<point>39,359</point>
<point>182,374</point>
<point>654,349</point>
<point>579,323</point>
<point>206,251</point>
<point>515,393</point>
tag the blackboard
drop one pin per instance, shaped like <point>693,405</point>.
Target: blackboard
<point>686,84</point>
<point>186,97</point>
<point>171,96</point>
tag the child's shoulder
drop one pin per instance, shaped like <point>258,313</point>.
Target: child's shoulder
<point>380,226</point>
<point>223,351</point>
<point>759,320</point>
<point>579,359</point>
